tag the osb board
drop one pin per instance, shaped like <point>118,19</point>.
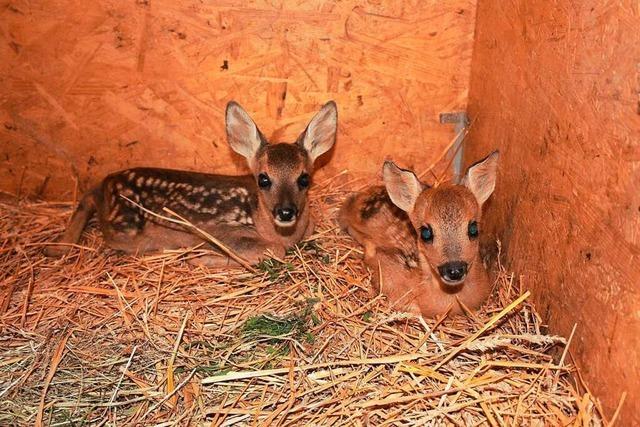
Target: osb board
<point>90,87</point>
<point>556,87</point>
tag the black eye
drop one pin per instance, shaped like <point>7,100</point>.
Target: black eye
<point>304,180</point>
<point>264,181</point>
<point>426,233</point>
<point>473,230</point>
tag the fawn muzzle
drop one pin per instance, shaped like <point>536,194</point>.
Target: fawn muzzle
<point>285,215</point>
<point>454,272</point>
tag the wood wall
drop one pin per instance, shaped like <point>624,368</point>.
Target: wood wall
<point>556,87</point>
<point>88,87</point>
<point>91,87</point>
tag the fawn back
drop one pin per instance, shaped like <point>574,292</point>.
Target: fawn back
<point>422,242</point>
<point>266,210</point>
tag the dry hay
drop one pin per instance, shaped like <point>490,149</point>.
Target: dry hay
<point>99,337</point>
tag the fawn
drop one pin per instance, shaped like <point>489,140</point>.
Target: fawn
<point>422,242</point>
<point>267,210</point>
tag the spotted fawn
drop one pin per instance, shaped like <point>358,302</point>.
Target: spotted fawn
<point>266,210</point>
<point>421,242</point>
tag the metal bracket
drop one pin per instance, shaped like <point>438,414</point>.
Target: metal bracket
<point>461,121</point>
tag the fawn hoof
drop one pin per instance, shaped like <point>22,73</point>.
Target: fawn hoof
<point>56,251</point>
<point>210,261</point>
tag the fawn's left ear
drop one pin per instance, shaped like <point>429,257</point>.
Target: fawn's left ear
<point>481,177</point>
<point>320,134</point>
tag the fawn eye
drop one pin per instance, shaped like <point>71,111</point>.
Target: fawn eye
<point>426,233</point>
<point>304,180</point>
<point>264,181</point>
<point>472,230</point>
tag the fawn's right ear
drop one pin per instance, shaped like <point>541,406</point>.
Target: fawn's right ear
<point>242,133</point>
<point>403,186</point>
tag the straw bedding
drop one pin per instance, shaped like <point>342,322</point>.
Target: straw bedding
<point>102,338</point>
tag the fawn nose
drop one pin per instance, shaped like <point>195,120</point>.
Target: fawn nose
<point>286,214</point>
<point>453,271</point>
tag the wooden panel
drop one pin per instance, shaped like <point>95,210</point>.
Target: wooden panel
<point>556,86</point>
<point>90,87</point>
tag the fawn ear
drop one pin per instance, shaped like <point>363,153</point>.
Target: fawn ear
<point>403,186</point>
<point>242,133</point>
<point>320,134</point>
<point>481,177</point>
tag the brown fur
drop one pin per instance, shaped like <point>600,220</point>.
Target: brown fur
<point>233,209</point>
<point>405,267</point>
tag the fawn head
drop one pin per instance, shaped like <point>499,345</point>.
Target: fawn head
<point>282,171</point>
<point>446,218</point>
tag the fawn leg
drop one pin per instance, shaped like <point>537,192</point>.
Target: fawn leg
<point>85,210</point>
<point>249,247</point>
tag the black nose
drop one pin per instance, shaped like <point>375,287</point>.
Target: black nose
<point>453,271</point>
<point>286,214</point>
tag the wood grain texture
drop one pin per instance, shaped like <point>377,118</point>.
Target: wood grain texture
<point>90,87</point>
<point>556,87</point>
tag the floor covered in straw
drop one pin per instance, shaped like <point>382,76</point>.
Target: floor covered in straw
<point>102,338</point>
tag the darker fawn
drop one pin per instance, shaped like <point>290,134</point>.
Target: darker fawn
<point>422,242</point>
<point>267,210</point>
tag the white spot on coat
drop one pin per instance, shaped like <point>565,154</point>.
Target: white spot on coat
<point>114,213</point>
